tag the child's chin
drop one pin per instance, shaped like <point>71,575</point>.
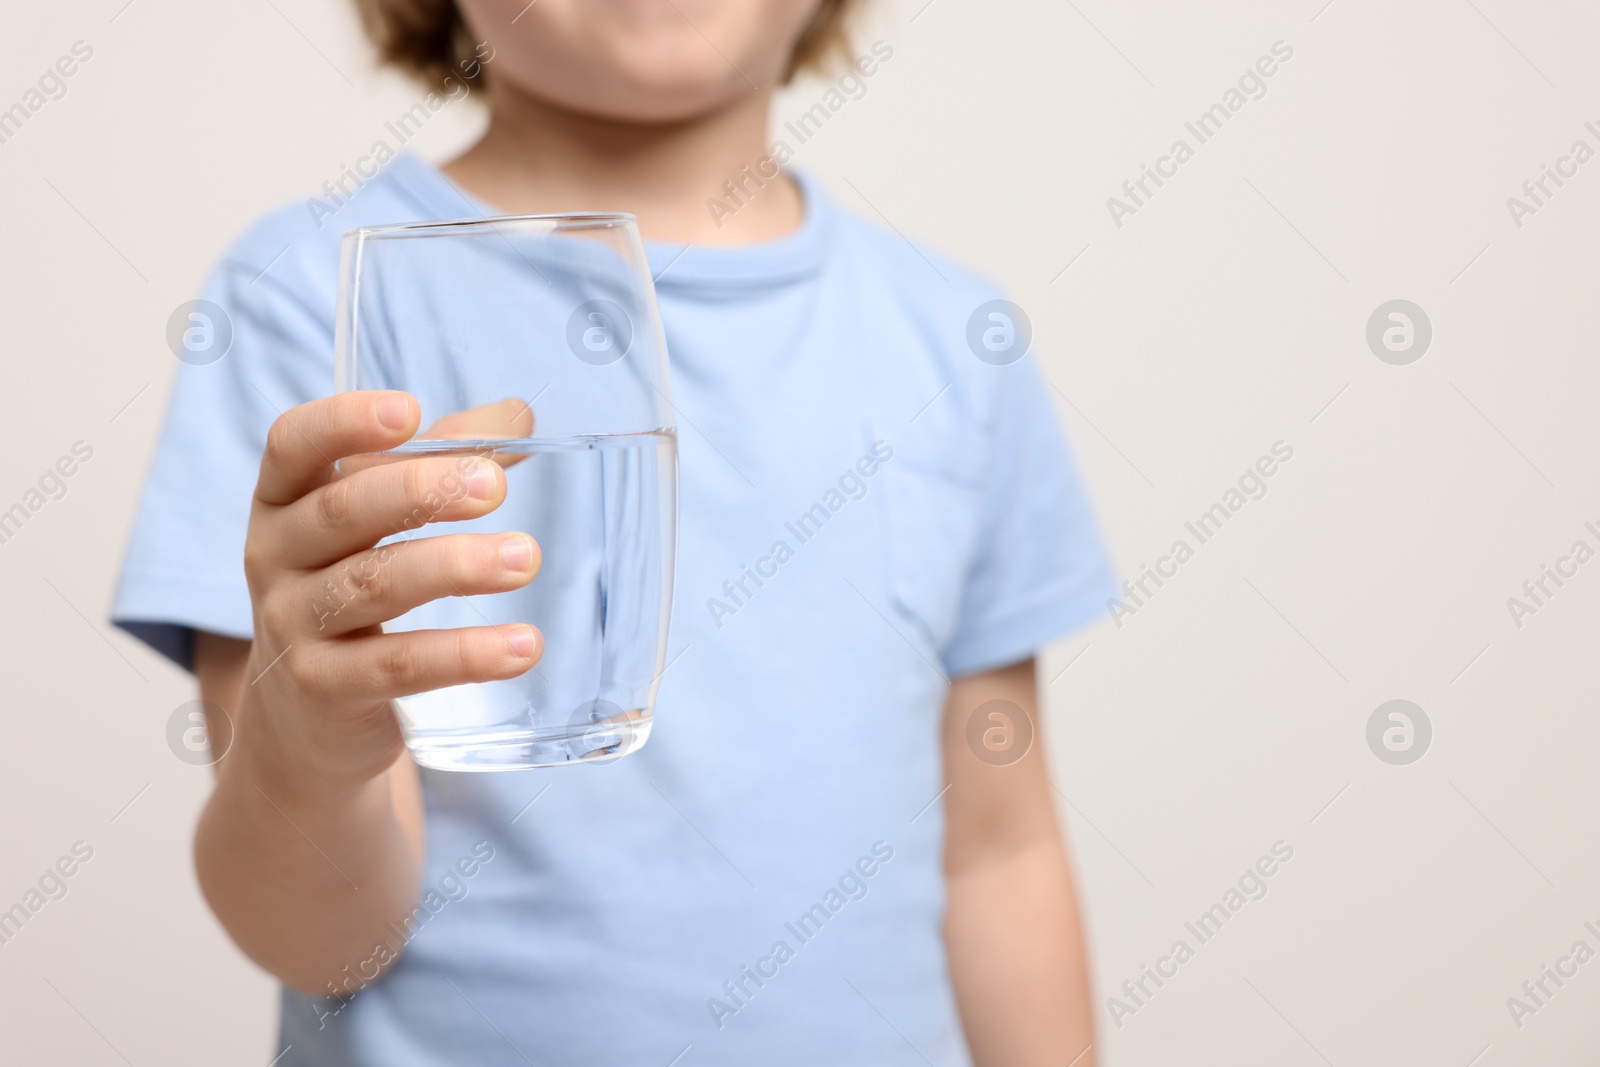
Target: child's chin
<point>678,81</point>
<point>661,96</point>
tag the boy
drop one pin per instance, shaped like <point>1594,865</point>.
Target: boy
<point>840,844</point>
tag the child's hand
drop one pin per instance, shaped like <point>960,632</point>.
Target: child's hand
<point>322,672</point>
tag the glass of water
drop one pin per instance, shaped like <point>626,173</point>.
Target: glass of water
<point>533,342</point>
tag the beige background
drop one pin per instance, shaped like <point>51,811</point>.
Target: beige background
<point>1227,314</point>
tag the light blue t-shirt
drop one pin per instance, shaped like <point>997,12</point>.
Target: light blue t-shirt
<point>761,883</point>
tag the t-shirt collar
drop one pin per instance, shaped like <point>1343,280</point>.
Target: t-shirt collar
<point>674,266</point>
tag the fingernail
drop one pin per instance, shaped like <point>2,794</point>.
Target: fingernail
<point>516,552</point>
<point>394,411</point>
<point>522,641</point>
<point>480,479</point>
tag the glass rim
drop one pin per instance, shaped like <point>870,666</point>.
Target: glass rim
<point>557,219</point>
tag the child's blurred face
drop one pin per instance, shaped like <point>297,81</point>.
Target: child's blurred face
<point>638,60</point>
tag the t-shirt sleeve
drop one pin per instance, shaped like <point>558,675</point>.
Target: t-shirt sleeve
<point>1039,569</point>
<point>183,569</point>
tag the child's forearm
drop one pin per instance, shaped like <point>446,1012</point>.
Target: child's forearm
<point>311,880</point>
<point>309,850</point>
<point>1011,930</point>
<point>1017,960</point>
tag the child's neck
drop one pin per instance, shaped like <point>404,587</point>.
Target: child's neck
<point>537,158</point>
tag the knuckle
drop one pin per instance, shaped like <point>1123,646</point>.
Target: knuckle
<point>325,602</point>
<point>333,503</point>
<point>412,486</point>
<point>413,491</point>
<point>276,615</point>
<point>303,674</point>
<point>399,666</point>
<point>369,581</point>
<point>256,557</point>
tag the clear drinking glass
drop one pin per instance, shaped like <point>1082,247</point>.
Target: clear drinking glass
<point>532,341</point>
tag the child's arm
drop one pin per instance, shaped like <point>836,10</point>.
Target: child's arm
<point>1011,929</point>
<point>309,850</point>
<point>266,859</point>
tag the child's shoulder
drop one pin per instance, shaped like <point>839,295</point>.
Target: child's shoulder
<point>932,316</point>
<point>911,268</point>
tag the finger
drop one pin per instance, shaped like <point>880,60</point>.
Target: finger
<point>502,420</point>
<point>402,494</point>
<point>360,670</point>
<point>386,582</point>
<point>510,417</point>
<point>305,442</point>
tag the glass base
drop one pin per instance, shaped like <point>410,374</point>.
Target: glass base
<point>599,744</point>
